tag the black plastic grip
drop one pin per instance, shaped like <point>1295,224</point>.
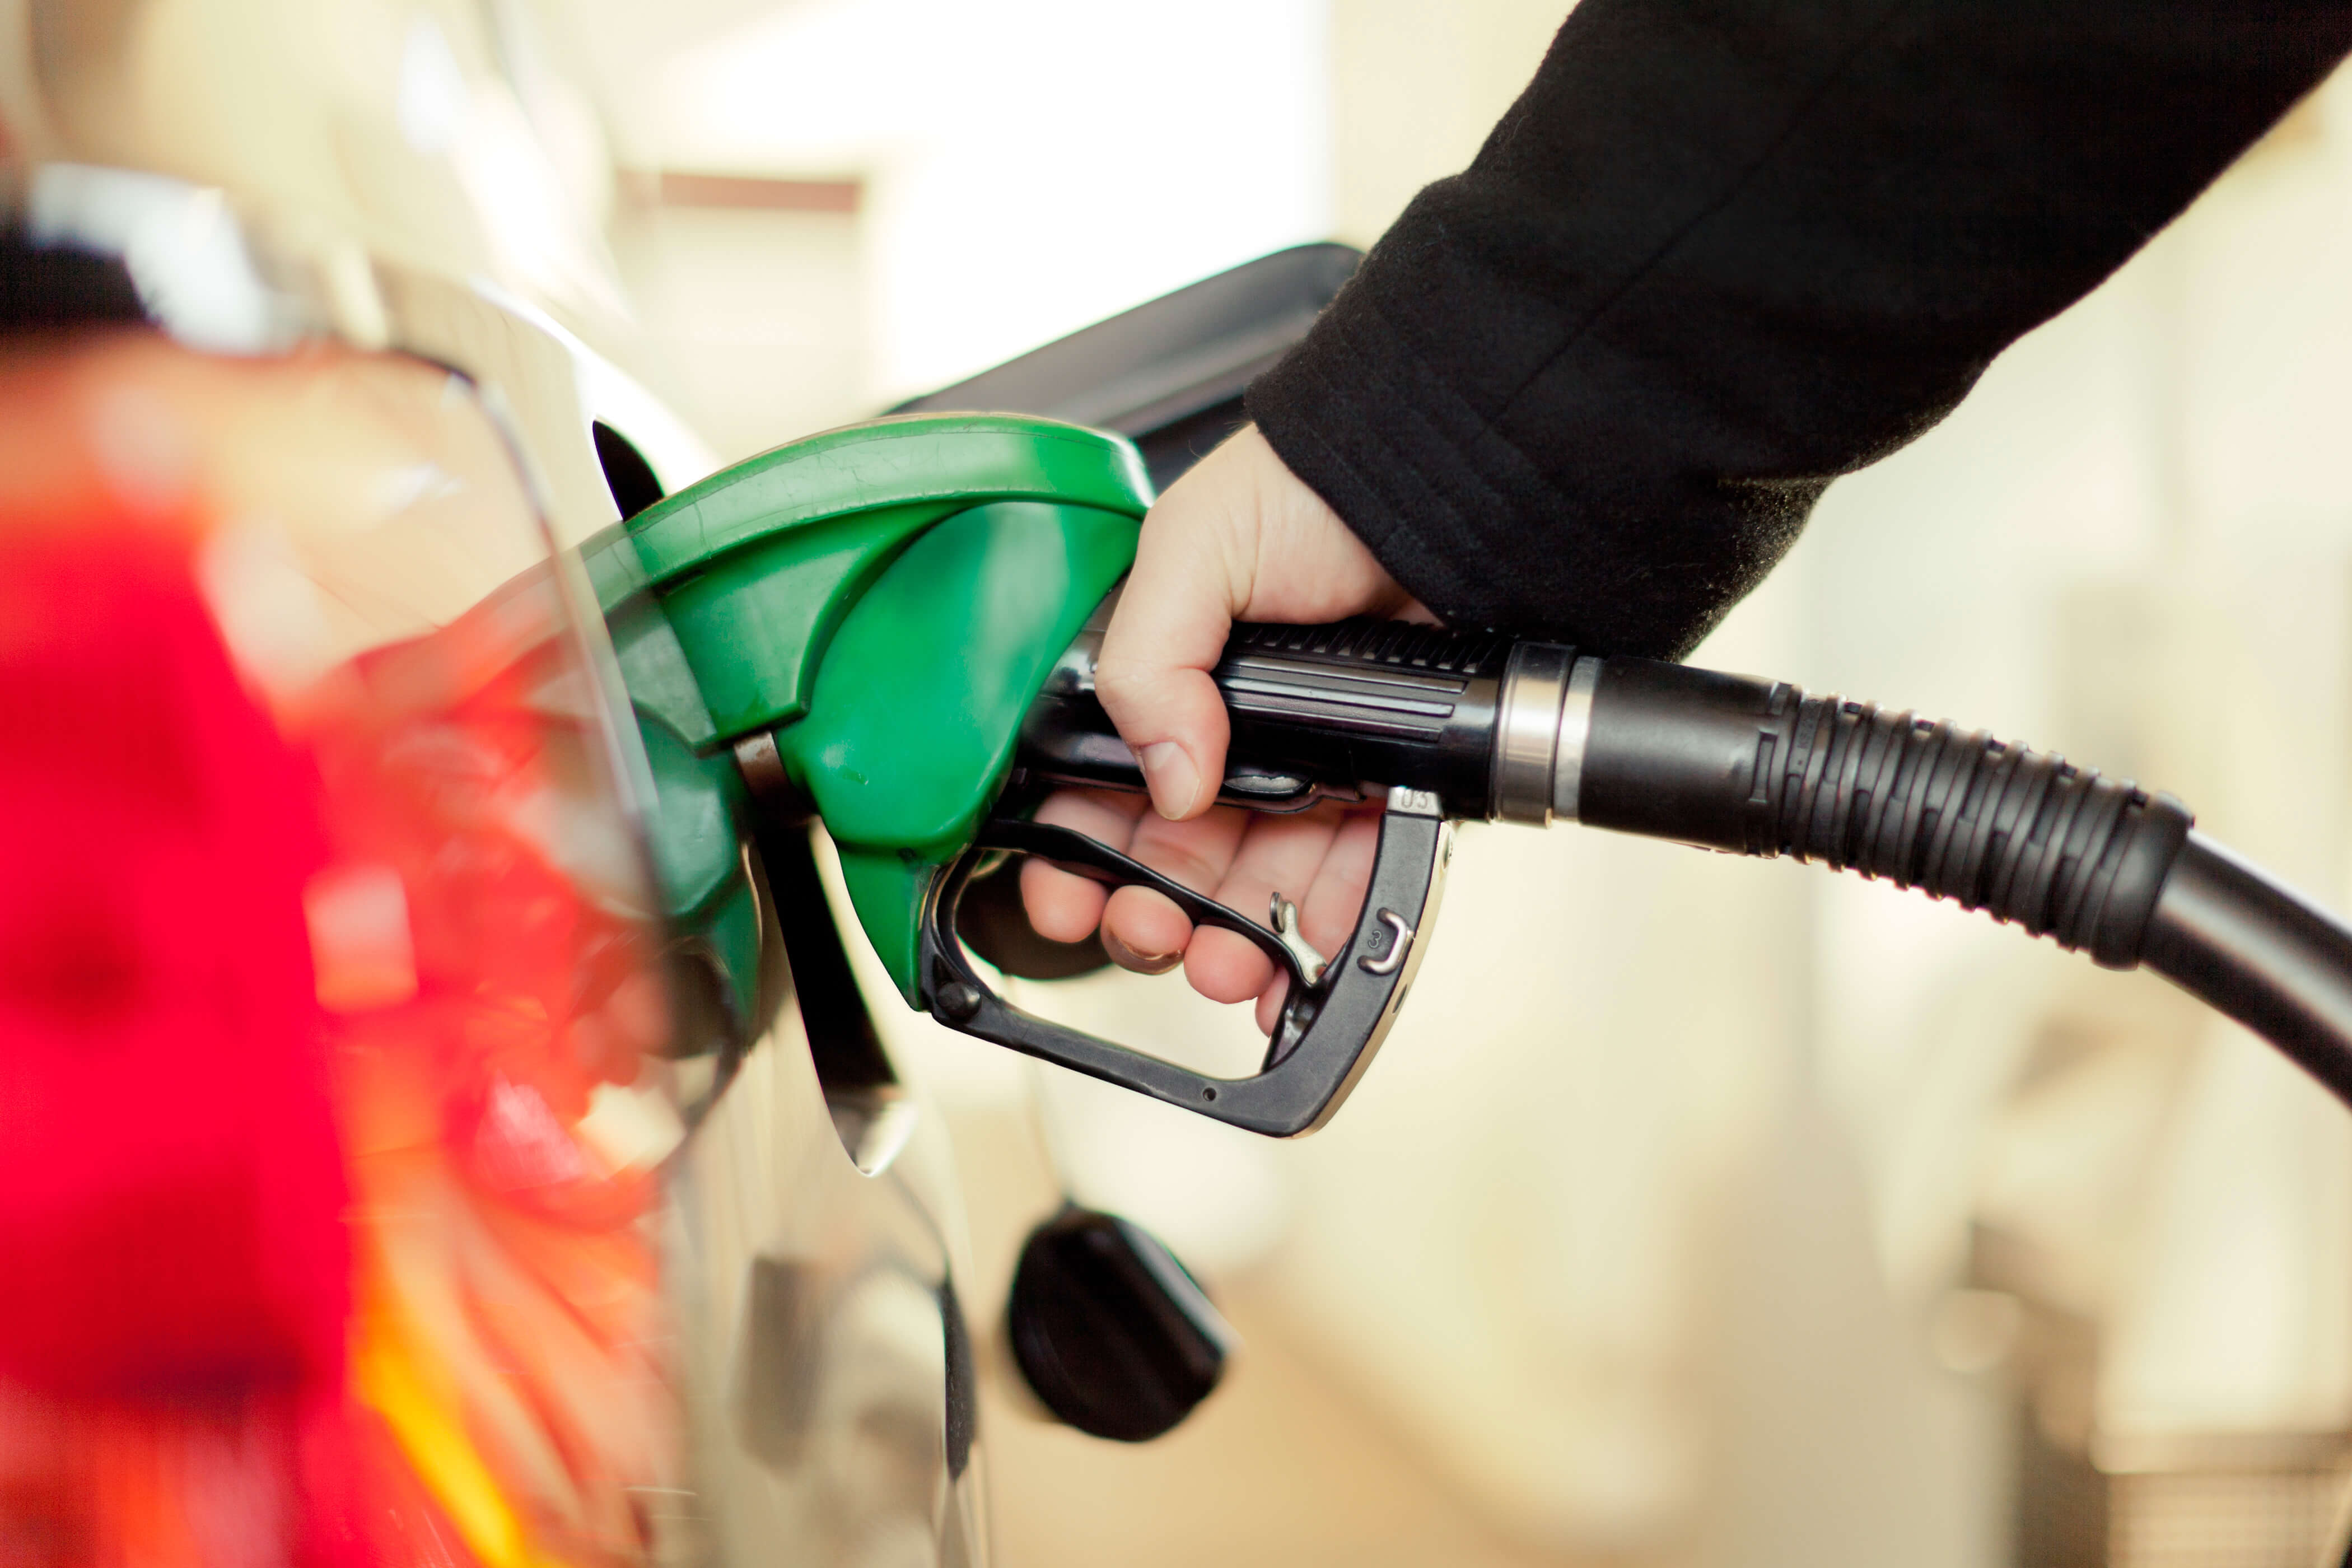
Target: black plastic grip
<point>1368,701</point>
<point>1760,768</point>
<point>1317,711</point>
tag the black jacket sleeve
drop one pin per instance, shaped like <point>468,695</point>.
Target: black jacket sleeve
<point>1722,251</point>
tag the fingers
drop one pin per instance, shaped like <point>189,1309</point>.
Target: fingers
<point>1334,899</point>
<point>1063,907</point>
<point>1166,635</point>
<point>1197,853</point>
<point>1269,1005</point>
<point>1140,929</point>
<point>1328,912</point>
<point>1321,859</point>
<point>1280,853</point>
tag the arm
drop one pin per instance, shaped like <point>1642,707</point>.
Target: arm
<point>1721,252</point>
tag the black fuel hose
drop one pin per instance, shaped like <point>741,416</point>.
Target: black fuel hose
<point>1532,732</point>
<point>2096,864</point>
<point>1762,768</point>
<point>2233,937</point>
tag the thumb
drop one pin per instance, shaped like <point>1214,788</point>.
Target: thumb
<point>1166,635</point>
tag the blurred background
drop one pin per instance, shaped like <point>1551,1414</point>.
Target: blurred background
<point>1699,1212</point>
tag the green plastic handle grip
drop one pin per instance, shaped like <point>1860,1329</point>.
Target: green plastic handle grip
<point>884,601</point>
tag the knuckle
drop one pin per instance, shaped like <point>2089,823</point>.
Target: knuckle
<point>1116,681</point>
<point>1184,864</point>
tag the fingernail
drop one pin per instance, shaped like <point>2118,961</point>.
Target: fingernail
<point>1127,957</point>
<point>1173,779</point>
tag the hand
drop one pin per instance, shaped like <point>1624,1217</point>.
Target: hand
<point>1238,538</point>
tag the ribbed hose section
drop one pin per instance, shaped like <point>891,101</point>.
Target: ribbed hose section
<point>2025,835</point>
<point>1759,768</point>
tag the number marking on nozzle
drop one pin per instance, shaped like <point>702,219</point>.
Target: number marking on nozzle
<point>1402,938</point>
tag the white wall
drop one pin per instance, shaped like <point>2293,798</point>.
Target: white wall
<point>1031,167</point>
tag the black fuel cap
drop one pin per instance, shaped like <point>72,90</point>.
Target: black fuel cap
<point>1111,1332</point>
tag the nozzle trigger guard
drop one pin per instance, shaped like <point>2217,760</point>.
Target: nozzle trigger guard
<point>1331,1024</point>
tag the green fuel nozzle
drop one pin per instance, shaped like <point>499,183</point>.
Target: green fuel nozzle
<point>871,609</point>
<point>892,628</point>
<point>875,627</point>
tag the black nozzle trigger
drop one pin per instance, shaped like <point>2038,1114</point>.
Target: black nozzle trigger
<point>1330,1026</point>
<point>1090,857</point>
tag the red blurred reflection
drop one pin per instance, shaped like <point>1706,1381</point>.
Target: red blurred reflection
<point>332,1103</point>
